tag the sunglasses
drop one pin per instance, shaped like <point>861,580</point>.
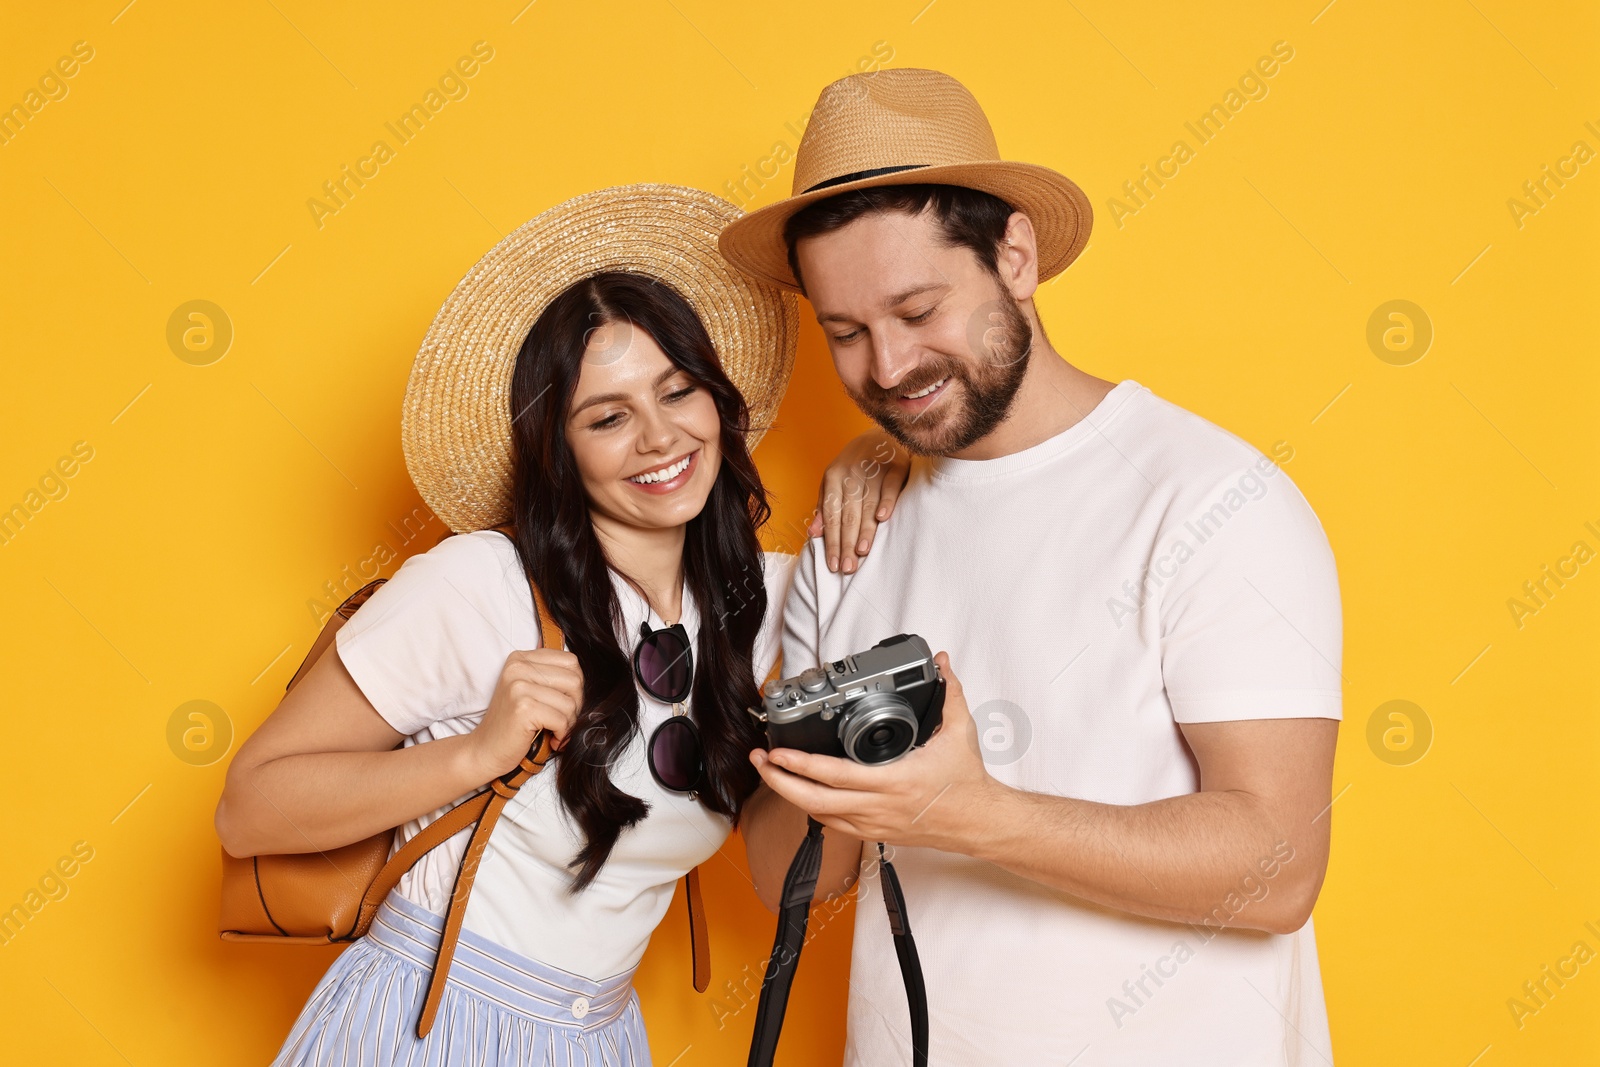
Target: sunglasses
<point>664,666</point>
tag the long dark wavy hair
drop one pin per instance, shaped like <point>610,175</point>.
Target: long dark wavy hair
<point>722,560</point>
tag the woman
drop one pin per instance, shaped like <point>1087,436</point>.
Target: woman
<point>619,456</point>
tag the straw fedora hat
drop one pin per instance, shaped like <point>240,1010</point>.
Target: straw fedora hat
<point>903,125</point>
<point>455,423</point>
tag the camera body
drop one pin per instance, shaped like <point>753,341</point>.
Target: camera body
<point>872,707</point>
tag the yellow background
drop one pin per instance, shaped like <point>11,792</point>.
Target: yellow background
<point>220,498</point>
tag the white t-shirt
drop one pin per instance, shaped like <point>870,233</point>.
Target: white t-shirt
<point>427,650</point>
<point>1016,566</point>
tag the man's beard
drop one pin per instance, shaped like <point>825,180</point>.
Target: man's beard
<point>988,386</point>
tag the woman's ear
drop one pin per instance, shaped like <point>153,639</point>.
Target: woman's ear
<point>1018,261</point>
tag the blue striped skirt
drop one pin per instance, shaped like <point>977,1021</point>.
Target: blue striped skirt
<point>499,1008</point>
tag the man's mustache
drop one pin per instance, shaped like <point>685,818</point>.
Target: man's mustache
<point>924,375</point>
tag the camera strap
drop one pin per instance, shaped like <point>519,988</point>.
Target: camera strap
<point>798,887</point>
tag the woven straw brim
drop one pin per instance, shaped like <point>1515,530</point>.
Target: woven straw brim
<point>1058,209</point>
<point>455,425</point>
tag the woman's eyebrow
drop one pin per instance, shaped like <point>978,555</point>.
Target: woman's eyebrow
<point>606,398</point>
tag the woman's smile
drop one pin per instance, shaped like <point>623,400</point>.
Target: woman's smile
<point>666,477</point>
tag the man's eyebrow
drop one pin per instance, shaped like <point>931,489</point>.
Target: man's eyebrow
<point>893,301</point>
<point>916,290</point>
<point>607,398</point>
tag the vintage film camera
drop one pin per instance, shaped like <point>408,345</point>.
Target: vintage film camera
<point>872,707</point>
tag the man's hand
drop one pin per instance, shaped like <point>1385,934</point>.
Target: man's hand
<point>935,796</point>
<point>1265,794</point>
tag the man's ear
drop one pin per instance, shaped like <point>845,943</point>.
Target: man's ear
<point>1018,261</point>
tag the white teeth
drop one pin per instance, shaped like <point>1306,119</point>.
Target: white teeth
<point>666,474</point>
<point>924,392</point>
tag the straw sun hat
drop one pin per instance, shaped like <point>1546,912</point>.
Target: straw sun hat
<point>899,126</point>
<point>455,425</point>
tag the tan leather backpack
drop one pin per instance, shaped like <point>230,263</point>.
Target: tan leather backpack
<point>320,898</point>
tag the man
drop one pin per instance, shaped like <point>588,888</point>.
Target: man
<point>1111,849</point>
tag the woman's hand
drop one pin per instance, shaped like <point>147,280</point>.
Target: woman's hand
<point>539,689</point>
<point>858,491</point>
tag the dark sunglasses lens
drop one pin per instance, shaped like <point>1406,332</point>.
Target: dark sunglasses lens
<point>675,754</point>
<point>664,665</point>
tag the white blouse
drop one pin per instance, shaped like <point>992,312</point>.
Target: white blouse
<point>427,650</point>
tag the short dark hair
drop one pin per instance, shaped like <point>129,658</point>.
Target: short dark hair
<point>968,218</point>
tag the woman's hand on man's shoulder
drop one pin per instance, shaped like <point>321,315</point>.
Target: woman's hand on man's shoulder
<point>859,490</point>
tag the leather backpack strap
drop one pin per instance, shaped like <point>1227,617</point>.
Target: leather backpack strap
<point>499,793</point>
<point>699,929</point>
<point>330,628</point>
<point>699,944</point>
<point>427,839</point>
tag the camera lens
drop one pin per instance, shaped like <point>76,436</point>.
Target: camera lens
<point>878,728</point>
